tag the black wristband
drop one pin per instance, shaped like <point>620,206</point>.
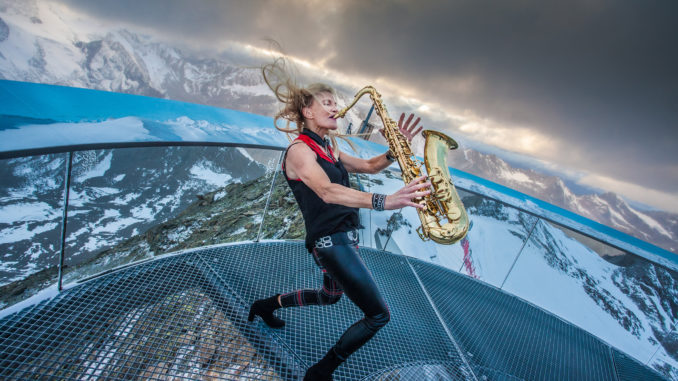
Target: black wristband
<point>378,201</point>
<point>389,156</point>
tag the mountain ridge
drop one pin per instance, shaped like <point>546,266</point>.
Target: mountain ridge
<point>607,208</point>
<point>123,61</point>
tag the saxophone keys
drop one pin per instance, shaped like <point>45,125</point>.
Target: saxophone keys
<point>422,235</point>
<point>453,213</point>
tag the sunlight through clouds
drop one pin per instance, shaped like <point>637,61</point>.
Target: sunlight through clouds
<point>516,139</point>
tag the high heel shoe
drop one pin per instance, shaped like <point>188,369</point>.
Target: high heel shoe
<point>323,369</point>
<point>264,308</point>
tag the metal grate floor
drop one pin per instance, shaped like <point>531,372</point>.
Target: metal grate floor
<point>184,317</point>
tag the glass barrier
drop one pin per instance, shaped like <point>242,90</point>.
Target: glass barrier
<point>370,233</point>
<point>31,212</point>
<point>624,299</point>
<point>394,230</point>
<point>186,197</point>
<point>283,218</point>
<point>496,235</point>
<point>182,197</point>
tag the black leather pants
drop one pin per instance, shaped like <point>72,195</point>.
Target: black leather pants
<point>344,265</point>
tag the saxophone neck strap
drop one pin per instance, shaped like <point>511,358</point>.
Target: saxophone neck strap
<point>316,147</point>
<point>311,143</point>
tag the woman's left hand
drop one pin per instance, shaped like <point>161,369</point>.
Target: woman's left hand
<point>406,129</point>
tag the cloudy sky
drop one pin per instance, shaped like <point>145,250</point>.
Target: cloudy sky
<point>587,86</point>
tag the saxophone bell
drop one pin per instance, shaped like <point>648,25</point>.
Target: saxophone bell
<point>443,219</point>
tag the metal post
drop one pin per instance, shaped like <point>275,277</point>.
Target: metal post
<point>655,353</point>
<point>268,199</point>
<point>519,252</point>
<point>363,126</point>
<point>64,217</point>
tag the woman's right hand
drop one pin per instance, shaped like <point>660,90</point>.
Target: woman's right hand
<point>403,197</point>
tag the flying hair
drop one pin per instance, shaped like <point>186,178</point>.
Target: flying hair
<point>279,77</point>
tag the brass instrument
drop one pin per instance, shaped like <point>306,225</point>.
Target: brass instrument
<point>444,220</point>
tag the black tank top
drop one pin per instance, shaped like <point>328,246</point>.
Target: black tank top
<point>320,218</point>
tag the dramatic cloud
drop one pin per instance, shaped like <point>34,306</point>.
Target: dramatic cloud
<point>588,84</point>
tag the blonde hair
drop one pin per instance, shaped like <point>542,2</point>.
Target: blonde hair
<point>294,98</point>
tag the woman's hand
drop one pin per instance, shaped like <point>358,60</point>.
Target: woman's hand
<point>404,126</point>
<point>415,189</point>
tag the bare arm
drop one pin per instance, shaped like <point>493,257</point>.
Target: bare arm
<point>357,165</point>
<point>301,163</point>
<point>378,163</point>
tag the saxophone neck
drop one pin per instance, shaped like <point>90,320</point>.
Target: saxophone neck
<point>365,90</point>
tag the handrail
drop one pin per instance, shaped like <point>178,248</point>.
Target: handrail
<point>67,185</point>
<point>64,219</point>
<point>72,150</point>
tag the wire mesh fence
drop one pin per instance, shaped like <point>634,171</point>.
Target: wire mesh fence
<point>184,317</point>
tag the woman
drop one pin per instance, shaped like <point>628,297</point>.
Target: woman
<point>317,173</point>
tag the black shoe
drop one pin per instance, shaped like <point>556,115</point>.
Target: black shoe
<point>265,308</point>
<point>323,369</point>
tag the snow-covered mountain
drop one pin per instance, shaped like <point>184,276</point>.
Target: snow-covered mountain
<point>143,201</point>
<point>625,300</point>
<point>659,228</point>
<point>112,198</point>
<point>43,42</point>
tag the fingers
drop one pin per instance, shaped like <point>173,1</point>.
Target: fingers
<point>418,206</point>
<point>417,180</point>
<point>408,122</point>
<point>414,190</point>
<point>405,126</point>
<point>418,187</point>
<point>414,124</point>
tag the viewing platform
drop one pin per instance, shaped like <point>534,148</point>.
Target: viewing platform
<point>183,316</point>
<point>142,229</point>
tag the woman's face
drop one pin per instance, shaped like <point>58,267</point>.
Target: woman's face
<point>322,110</point>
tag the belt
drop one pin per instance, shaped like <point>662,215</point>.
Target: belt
<point>342,238</point>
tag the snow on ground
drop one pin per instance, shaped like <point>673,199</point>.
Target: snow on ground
<point>56,134</point>
<point>125,198</point>
<point>260,89</point>
<point>515,176</point>
<point>494,248</point>
<point>204,171</point>
<point>556,291</point>
<point>245,153</point>
<point>80,198</point>
<point>27,211</point>
<point>143,212</point>
<point>97,170</point>
<point>24,232</point>
<point>652,223</point>
<point>192,130</point>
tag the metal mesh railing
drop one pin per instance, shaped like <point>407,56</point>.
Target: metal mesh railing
<point>184,317</point>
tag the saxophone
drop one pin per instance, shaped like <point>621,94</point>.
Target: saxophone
<point>444,220</point>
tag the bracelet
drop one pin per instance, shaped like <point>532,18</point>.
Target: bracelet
<point>378,201</point>
<point>389,156</point>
